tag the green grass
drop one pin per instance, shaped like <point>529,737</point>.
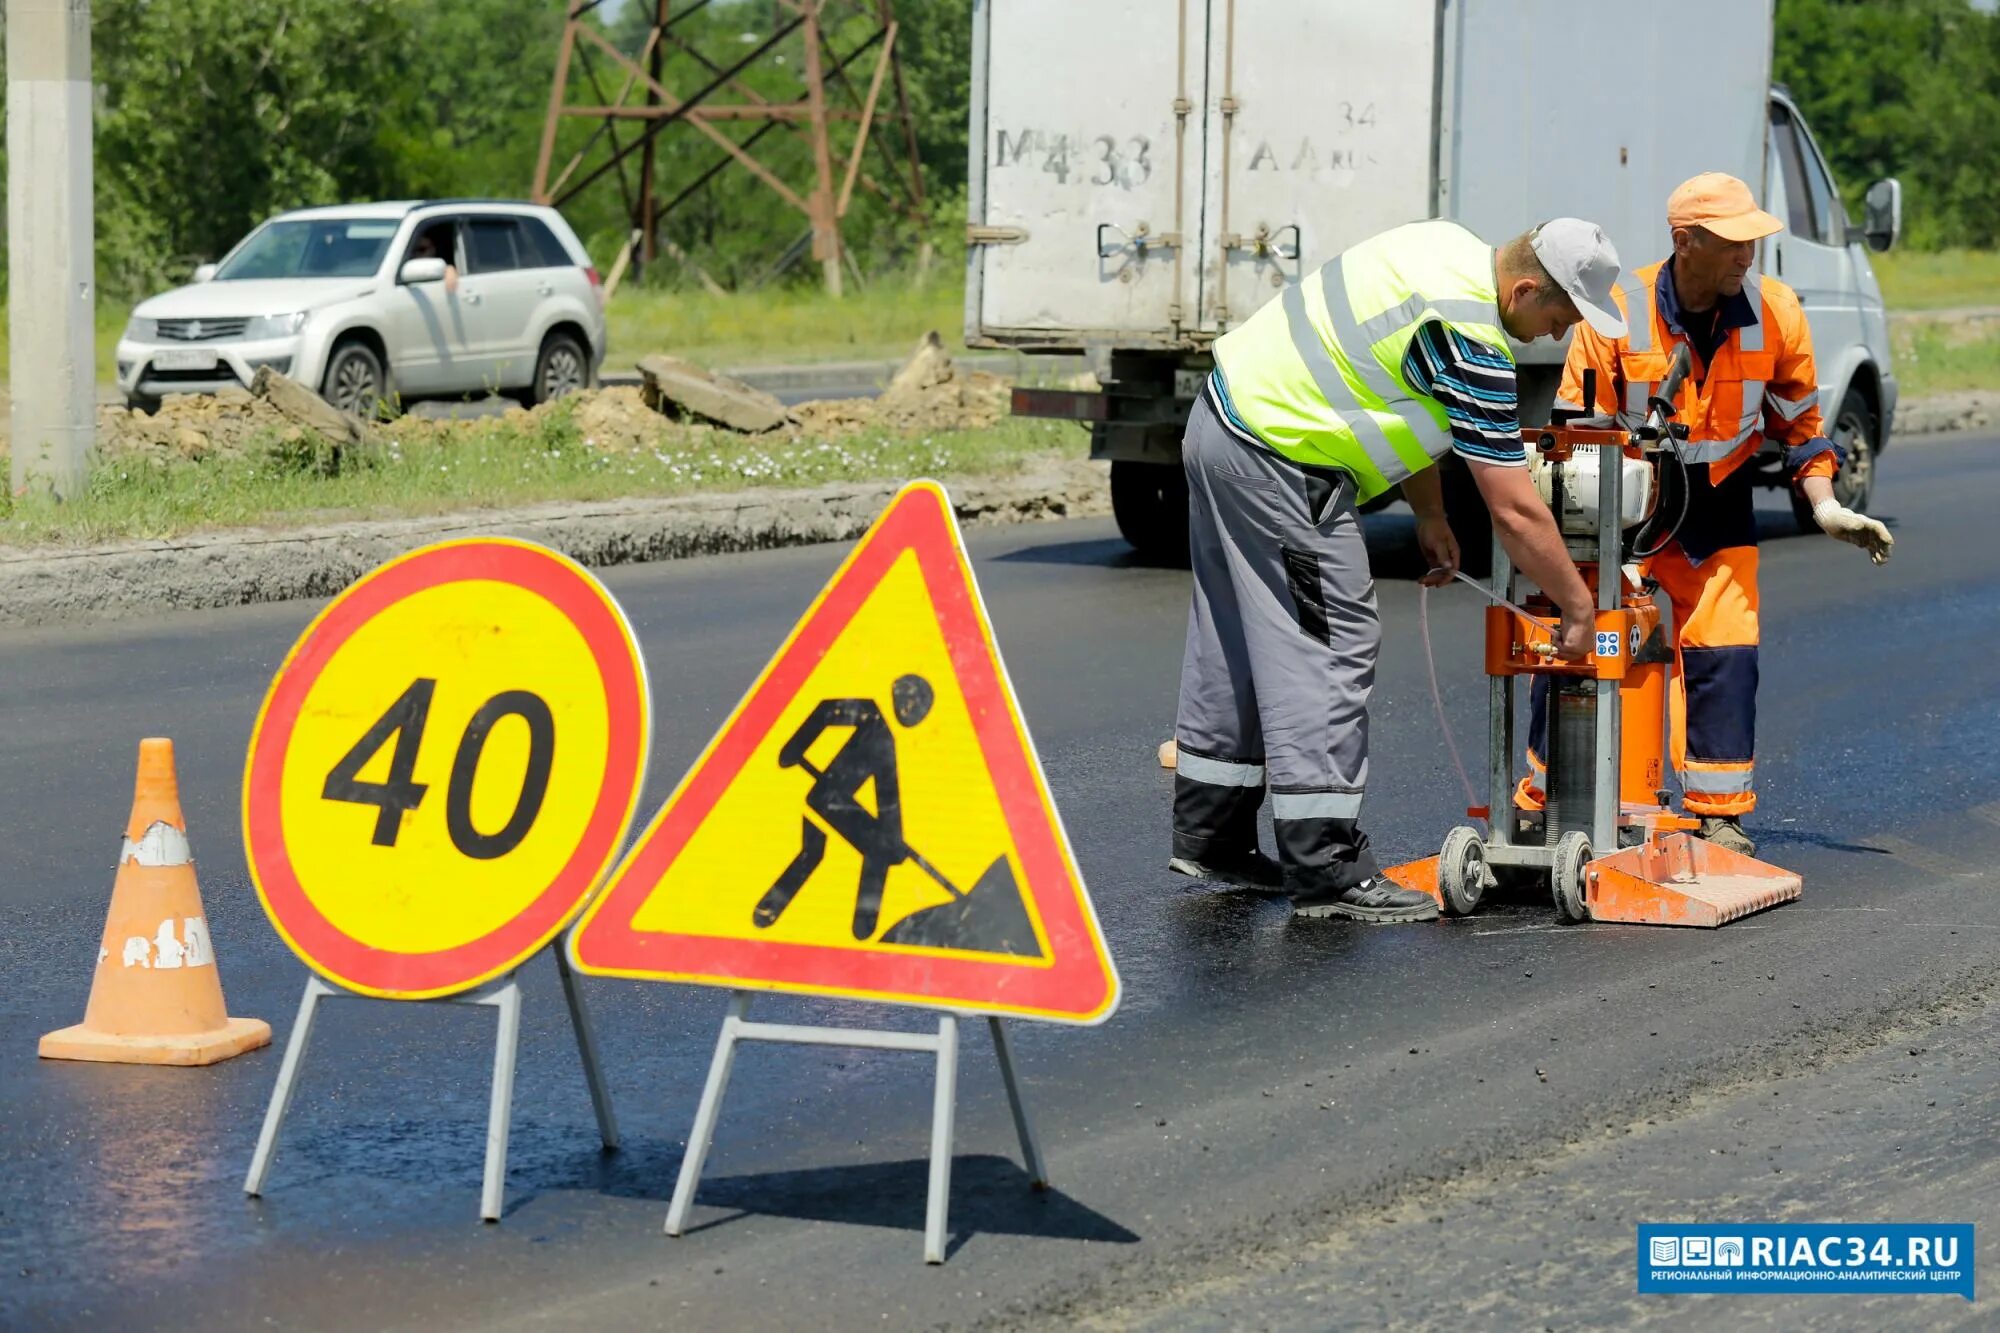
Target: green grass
<point>1944,356</point>
<point>430,470</point>
<point>882,320</point>
<point>1938,280</point>
<point>793,324</point>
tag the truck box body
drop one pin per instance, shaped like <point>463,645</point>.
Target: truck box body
<point>1102,214</point>
<point>1145,174</point>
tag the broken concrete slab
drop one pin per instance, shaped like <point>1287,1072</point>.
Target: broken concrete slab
<point>691,389</point>
<point>306,408</point>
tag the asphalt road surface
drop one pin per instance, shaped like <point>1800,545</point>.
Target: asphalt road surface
<point>1287,1124</point>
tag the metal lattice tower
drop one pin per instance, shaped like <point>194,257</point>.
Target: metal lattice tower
<point>832,113</point>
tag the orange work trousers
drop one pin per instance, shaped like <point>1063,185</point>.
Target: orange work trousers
<point>1713,703</point>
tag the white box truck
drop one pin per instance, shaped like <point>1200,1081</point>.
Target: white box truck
<point>1144,174</point>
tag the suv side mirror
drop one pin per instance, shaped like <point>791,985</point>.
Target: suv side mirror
<point>422,270</point>
<point>204,272</point>
<point>1882,213</point>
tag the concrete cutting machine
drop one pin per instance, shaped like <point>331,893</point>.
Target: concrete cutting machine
<point>1607,837</point>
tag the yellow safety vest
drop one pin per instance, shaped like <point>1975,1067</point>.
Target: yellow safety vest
<point>1318,374</point>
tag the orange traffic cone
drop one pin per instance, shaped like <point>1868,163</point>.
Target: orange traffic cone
<point>156,998</point>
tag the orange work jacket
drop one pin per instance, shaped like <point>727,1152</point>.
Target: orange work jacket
<point>1761,383</point>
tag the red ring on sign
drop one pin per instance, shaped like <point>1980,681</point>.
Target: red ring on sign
<point>441,972</point>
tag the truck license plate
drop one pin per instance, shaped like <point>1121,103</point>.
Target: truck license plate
<point>1187,383</point>
<point>184,358</point>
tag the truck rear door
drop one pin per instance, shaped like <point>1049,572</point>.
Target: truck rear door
<point>1320,121</point>
<point>1084,167</point>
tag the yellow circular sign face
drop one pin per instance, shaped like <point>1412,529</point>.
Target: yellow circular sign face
<point>445,767</point>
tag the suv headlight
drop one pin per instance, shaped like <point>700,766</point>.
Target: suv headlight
<point>142,330</point>
<point>275,326</point>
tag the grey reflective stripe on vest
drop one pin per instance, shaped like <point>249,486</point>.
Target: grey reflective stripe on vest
<point>1638,331</point>
<point>1718,783</point>
<point>1333,387</point>
<point>1315,805</point>
<point>1751,336</point>
<point>1218,772</point>
<point>1347,331</point>
<point>1636,394</point>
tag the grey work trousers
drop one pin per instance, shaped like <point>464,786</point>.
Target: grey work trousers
<point>1280,661</point>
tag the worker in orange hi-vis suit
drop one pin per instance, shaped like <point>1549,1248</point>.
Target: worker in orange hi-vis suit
<point>1752,379</point>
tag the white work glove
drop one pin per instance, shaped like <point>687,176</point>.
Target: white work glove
<point>1838,521</point>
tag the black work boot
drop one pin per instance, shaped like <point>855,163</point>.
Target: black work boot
<point>1374,900</point>
<point>1245,868</point>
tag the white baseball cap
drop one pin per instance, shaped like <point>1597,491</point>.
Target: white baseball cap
<point>1580,257</point>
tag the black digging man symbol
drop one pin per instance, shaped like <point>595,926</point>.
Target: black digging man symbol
<point>988,918</point>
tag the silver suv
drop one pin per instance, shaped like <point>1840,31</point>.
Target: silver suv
<point>372,303</point>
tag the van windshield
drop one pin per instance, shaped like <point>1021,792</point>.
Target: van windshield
<point>319,248</point>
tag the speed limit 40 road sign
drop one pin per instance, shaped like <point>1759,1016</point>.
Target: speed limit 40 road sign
<point>445,767</point>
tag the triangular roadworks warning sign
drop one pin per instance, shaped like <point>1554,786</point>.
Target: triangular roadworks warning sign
<point>872,821</point>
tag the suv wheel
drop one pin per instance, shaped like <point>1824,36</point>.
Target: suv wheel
<point>563,367</point>
<point>1854,431</point>
<point>355,381</point>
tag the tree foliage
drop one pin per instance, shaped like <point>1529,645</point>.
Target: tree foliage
<point>214,114</point>
<point>1905,88</point>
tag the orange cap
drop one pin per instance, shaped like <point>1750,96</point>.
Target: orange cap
<point>1722,204</point>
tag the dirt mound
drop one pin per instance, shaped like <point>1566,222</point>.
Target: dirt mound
<point>227,424</point>
<point>929,393</point>
<point>615,420</point>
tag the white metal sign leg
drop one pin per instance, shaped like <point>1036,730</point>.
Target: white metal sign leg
<point>944,1106</point>
<point>736,1028</point>
<point>281,1095</point>
<point>586,1045</point>
<point>705,1115</point>
<point>505,999</point>
<point>500,1112</point>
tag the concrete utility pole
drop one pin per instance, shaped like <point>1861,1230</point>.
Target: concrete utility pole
<point>51,243</point>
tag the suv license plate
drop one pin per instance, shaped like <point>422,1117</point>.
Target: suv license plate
<point>184,358</point>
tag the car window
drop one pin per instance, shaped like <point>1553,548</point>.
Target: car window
<point>311,248</point>
<point>437,239</point>
<point>539,246</point>
<point>1827,208</point>
<point>490,245</point>
<point>1798,201</point>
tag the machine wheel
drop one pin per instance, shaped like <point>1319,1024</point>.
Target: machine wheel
<point>1150,502</point>
<point>1462,872</point>
<point>1854,431</point>
<point>1566,876</point>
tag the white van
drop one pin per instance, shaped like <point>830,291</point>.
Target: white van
<point>1146,173</point>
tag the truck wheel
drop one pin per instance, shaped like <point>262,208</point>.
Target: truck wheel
<point>1854,431</point>
<point>1471,522</point>
<point>1150,502</point>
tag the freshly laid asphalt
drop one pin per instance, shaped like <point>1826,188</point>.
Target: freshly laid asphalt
<point>1286,1124</point>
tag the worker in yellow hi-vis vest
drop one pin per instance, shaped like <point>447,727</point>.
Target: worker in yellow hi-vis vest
<point>1359,379</point>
